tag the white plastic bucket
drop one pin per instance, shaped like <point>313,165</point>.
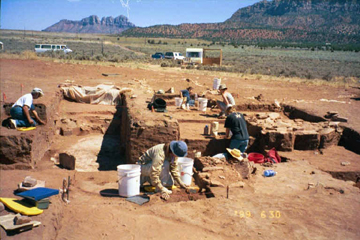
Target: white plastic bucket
<point>202,104</point>
<point>178,101</point>
<point>186,169</point>
<point>214,126</point>
<point>129,179</point>
<point>216,83</point>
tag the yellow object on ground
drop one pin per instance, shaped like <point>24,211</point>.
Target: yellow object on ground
<point>20,206</point>
<point>25,128</point>
<point>152,188</point>
<point>196,188</point>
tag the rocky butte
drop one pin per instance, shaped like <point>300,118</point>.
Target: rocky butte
<point>92,24</point>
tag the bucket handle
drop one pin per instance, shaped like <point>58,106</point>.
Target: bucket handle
<point>129,175</point>
<point>183,165</point>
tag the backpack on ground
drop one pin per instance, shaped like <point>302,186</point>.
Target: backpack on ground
<point>159,105</point>
<point>273,156</point>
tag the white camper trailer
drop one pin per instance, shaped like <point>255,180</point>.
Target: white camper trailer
<point>200,56</point>
<point>195,55</point>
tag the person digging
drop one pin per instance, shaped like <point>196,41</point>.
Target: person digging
<point>185,96</point>
<point>228,100</point>
<point>159,166</point>
<point>235,122</point>
<point>20,110</point>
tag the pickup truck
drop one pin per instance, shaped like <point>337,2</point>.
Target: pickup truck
<point>158,55</point>
<point>174,56</point>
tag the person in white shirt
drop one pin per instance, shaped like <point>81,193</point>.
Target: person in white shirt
<point>20,111</point>
<point>228,100</point>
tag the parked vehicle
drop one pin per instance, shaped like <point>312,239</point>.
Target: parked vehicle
<point>174,56</point>
<point>195,55</point>
<point>158,55</point>
<point>39,48</point>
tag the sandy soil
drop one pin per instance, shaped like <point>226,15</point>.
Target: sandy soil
<point>301,202</point>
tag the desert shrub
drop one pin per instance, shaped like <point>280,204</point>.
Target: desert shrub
<point>79,57</point>
<point>327,77</point>
<point>29,55</point>
<point>98,58</point>
<point>170,64</point>
<point>274,59</point>
<point>293,73</point>
<point>308,75</point>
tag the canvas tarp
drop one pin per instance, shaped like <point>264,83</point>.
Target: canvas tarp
<point>101,94</point>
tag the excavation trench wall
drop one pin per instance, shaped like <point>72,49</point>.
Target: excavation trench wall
<point>139,130</point>
<point>22,150</point>
<point>350,138</point>
<point>142,130</point>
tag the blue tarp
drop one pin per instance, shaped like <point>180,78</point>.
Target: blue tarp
<point>39,193</point>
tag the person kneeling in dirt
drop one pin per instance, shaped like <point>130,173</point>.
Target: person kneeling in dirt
<point>185,95</point>
<point>235,122</point>
<point>20,111</point>
<point>158,162</point>
<point>228,100</point>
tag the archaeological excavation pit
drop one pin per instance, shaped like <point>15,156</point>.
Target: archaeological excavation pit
<point>89,137</point>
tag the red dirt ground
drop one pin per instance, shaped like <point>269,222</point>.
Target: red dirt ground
<point>281,207</point>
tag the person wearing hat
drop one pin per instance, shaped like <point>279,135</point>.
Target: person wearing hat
<point>20,110</point>
<point>228,100</point>
<point>160,160</point>
<point>235,122</point>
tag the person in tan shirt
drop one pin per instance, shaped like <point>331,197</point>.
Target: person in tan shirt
<point>158,161</point>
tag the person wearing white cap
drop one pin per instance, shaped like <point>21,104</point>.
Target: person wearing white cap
<point>158,161</point>
<point>228,100</point>
<point>20,110</point>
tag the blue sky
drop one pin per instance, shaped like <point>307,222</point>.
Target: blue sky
<point>40,14</point>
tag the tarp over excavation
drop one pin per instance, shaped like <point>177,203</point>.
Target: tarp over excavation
<point>101,94</point>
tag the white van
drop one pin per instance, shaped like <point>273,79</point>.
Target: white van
<point>39,48</point>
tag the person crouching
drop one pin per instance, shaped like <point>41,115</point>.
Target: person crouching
<point>235,122</point>
<point>159,166</point>
<point>20,111</point>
